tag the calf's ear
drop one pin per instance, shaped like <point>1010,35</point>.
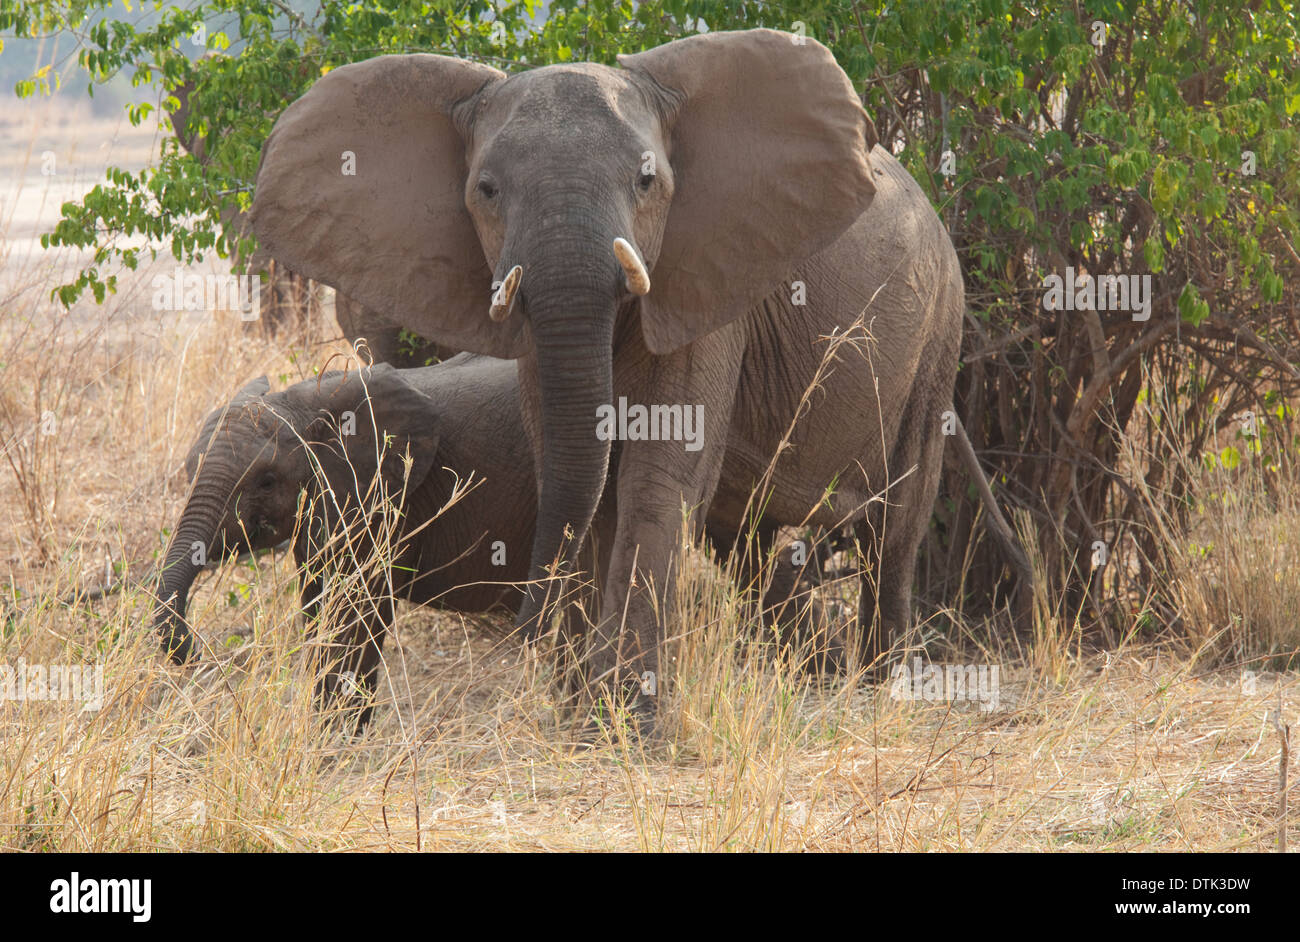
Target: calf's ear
<point>373,429</point>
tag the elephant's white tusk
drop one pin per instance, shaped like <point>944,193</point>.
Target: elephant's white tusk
<point>638,280</point>
<point>504,298</point>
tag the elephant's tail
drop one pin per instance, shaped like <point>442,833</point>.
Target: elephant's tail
<point>1002,532</point>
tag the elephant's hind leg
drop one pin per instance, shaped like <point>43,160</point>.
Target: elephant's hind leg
<point>893,529</point>
<point>788,612</point>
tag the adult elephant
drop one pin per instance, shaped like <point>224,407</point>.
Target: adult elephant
<point>700,227</point>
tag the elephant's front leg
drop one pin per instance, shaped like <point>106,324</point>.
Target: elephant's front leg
<point>352,625</point>
<point>668,463</point>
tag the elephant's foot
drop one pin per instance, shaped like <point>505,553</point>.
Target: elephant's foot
<point>626,711</point>
<point>880,650</point>
<point>346,702</point>
<point>815,638</point>
<point>826,649</point>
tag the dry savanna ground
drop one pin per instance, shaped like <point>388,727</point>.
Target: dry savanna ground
<point>1164,741</point>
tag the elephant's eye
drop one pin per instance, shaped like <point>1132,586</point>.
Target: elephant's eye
<point>267,480</point>
<point>645,181</point>
<point>487,189</point>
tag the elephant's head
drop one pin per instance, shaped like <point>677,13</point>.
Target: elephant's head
<point>331,438</point>
<point>508,215</point>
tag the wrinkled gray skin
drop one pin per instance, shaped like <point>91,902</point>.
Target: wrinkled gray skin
<point>284,289</point>
<point>736,165</point>
<point>250,463</point>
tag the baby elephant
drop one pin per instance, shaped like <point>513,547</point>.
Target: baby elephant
<point>314,463</point>
<point>330,449</point>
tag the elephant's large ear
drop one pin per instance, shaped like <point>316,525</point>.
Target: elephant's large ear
<point>251,391</point>
<point>369,421</point>
<point>769,150</point>
<point>362,187</point>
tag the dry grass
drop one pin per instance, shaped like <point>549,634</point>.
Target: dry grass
<point>1138,748</point>
<point>1235,577</point>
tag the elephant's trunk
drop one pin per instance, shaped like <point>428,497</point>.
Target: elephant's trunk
<point>574,360</point>
<point>194,542</point>
<point>571,291</point>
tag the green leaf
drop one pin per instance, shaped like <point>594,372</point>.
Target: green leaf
<point>1153,253</point>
